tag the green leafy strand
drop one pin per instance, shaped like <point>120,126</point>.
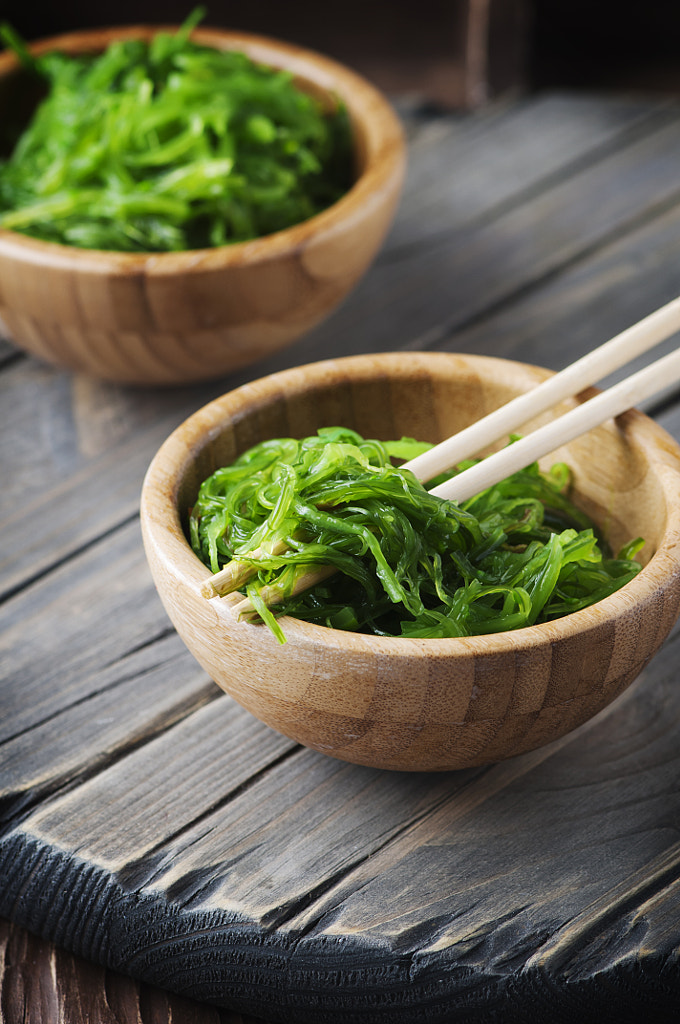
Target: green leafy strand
<point>409,563</point>
<point>169,146</point>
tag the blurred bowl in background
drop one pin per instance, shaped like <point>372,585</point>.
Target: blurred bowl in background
<point>166,318</point>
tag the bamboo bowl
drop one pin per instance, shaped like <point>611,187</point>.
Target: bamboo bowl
<point>177,317</point>
<point>421,704</point>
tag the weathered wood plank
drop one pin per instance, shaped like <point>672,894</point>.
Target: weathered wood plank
<point>97,459</point>
<point>603,806</point>
<point>486,863</point>
<point>60,423</point>
<point>58,634</point>
<point>47,522</point>
<point>466,885</point>
<point>515,790</point>
<point>123,705</point>
<point>114,690</point>
<point>199,760</point>
<point>302,822</point>
<point>82,440</point>
<point>462,169</point>
<point>588,302</point>
<point>421,297</point>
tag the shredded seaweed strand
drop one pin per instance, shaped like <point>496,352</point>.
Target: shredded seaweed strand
<point>168,146</point>
<point>407,563</point>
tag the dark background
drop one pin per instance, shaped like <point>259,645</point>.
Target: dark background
<point>413,46</point>
<point>602,43</point>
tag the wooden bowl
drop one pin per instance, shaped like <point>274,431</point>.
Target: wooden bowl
<point>176,317</point>
<point>421,704</point>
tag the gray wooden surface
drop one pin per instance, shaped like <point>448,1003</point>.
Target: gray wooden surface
<point>152,827</point>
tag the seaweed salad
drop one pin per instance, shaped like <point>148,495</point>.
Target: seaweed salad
<point>407,563</point>
<point>168,146</point>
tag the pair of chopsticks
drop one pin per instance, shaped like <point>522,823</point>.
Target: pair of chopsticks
<point>617,352</point>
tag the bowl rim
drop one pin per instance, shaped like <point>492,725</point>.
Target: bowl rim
<point>385,149</point>
<point>163,531</point>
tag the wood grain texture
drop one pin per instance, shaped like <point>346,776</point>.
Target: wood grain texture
<point>175,317</point>
<point>157,829</point>
<point>453,178</point>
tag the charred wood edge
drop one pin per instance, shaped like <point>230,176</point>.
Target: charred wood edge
<point>144,871</point>
<point>229,958</point>
<point>226,960</point>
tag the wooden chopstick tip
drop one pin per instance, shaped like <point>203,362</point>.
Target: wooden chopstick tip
<point>208,591</point>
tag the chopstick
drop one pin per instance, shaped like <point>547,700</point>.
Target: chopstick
<point>643,384</point>
<point>617,399</point>
<point>587,370</point>
<point>590,368</point>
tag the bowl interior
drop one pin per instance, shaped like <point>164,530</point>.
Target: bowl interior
<point>614,478</point>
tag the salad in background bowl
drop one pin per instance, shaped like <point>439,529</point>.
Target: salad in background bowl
<point>185,201</point>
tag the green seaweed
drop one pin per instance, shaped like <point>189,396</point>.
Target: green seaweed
<point>408,563</point>
<point>169,146</point>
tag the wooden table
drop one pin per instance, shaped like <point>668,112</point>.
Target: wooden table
<point>154,828</point>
